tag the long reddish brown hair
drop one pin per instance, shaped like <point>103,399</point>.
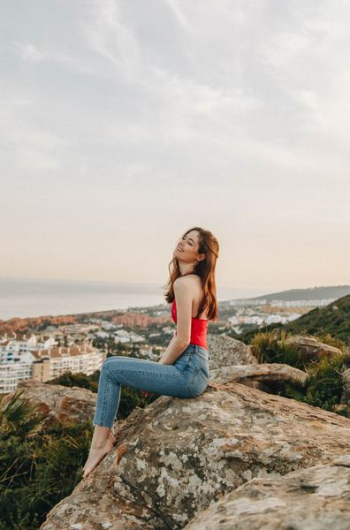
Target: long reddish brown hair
<point>205,269</point>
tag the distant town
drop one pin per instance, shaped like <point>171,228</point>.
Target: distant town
<point>46,347</point>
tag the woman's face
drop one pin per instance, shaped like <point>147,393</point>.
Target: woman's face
<point>187,248</point>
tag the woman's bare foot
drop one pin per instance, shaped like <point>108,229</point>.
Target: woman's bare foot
<point>112,437</point>
<point>102,442</point>
<point>97,454</point>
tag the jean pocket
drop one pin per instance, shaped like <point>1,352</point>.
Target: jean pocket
<point>183,360</point>
<point>205,372</point>
<point>204,368</point>
<point>198,384</point>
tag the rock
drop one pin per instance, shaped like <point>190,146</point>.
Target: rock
<point>311,347</point>
<point>226,351</point>
<point>63,404</point>
<point>346,386</point>
<point>315,498</point>
<point>259,375</point>
<point>178,456</point>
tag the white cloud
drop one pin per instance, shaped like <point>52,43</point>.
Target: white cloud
<point>29,52</point>
<point>30,147</point>
<point>231,114</point>
<point>111,38</point>
<point>180,17</point>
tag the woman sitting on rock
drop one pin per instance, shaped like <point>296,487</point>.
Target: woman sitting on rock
<point>183,369</point>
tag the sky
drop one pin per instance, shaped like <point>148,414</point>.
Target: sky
<point>124,123</point>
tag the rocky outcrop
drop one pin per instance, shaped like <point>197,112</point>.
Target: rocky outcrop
<point>315,498</point>
<point>60,403</point>
<point>226,351</point>
<point>177,457</point>
<point>259,375</point>
<point>311,347</point>
<point>232,360</point>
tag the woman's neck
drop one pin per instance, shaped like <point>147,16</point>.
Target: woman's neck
<point>184,271</point>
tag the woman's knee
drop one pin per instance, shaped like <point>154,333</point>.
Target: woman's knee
<point>112,360</point>
<point>108,363</point>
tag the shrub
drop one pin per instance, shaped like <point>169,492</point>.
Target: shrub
<point>264,347</point>
<point>80,379</point>
<point>37,468</point>
<point>324,386</point>
<point>267,347</point>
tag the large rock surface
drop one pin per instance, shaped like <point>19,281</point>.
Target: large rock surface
<point>313,348</point>
<point>316,498</point>
<point>177,457</point>
<point>227,351</point>
<point>61,403</point>
<point>259,375</point>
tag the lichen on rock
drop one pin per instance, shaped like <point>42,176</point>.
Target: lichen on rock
<point>180,456</point>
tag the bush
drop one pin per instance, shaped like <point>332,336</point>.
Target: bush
<point>80,379</point>
<point>37,468</point>
<point>324,386</point>
<point>267,347</point>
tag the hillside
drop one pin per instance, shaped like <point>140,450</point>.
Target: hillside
<point>333,319</point>
<point>312,293</point>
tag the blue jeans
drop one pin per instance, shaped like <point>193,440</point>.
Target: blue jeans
<point>187,377</point>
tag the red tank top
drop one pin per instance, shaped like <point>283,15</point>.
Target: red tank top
<point>198,328</point>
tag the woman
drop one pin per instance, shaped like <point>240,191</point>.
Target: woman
<point>183,369</point>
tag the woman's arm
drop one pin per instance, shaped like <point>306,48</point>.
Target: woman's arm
<point>173,351</point>
<point>183,289</point>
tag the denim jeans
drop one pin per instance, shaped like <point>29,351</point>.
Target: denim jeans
<point>187,377</point>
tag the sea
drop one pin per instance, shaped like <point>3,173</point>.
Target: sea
<point>32,297</point>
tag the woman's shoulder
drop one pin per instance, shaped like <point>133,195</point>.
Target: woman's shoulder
<point>188,281</point>
<point>189,285</point>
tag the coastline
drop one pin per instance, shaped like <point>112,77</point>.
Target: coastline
<point>30,298</point>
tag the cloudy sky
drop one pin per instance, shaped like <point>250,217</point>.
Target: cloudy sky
<point>123,123</point>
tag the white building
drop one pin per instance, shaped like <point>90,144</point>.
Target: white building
<point>127,336</point>
<point>293,316</point>
<point>13,349</point>
<point>20,360</point>
<point>274,319</point>
<point>102,334</point>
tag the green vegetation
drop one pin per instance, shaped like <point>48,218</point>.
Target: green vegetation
<point>81,380</point>
<point>310,293</point>
<point>272,348</point>
<point>324,386</point>
<point>39,467</point>
<point>332,320</point>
